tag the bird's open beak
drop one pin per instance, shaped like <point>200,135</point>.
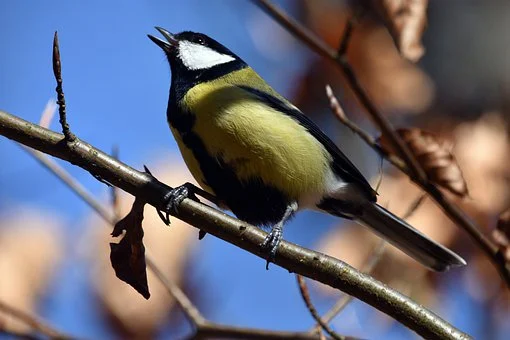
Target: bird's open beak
<point>167,45</point>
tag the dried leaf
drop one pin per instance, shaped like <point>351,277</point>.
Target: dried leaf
<point>128,256</point>
<point>435,157</point>
<point>406,20</point>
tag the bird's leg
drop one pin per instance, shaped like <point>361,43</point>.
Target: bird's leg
<point>275,236</point>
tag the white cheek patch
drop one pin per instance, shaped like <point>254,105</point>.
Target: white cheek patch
<point>198,57</point>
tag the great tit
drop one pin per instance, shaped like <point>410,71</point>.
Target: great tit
<point>261,157</point>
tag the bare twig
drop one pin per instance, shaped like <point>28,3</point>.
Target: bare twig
<point>98,207</point>
<point>414,206</point>
<point>32,322</point>
<point>369,266</point>
<point>65,177</point>
<point>214,331</point>
<point>61,101</point>
<point>305,294</point>
<point>296,259</point>
<point>48,113</point>
<point>342,117</point>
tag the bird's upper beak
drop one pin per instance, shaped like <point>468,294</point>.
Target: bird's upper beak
<point>170,42</point>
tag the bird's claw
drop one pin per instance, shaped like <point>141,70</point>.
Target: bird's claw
<point>271,243</point>
<point>173,199</point>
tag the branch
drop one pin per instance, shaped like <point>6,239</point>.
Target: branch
<point>32,322</point>
<point>368,268</point>
<point>305,294</point>
<point>314,265</point>
<point>61,101</point>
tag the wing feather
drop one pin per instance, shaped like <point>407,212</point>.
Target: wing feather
<point>342,166</point>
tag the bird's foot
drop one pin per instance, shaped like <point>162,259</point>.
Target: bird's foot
<point>271,242</point>
<point>174,198</point>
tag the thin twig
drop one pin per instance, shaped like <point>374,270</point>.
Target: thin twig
<point>414,206</point>
<point>371,141</point>
<point>98,207</point>
<point>299,260</point>
<point>48,113</point>
<point>214,331</point>
<point>369,266</point>
<point>33,322</point>
<point>61,100</point>
<point>69,180</point>
<point>305,294</point>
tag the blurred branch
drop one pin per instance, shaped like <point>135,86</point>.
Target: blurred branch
<point>414,206</point>
<point>305,294</point>
<point>371,141</point>
<point>369,266</point>
<point>314,265</point>
<point>32,322</point>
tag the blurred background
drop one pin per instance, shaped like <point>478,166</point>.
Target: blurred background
<point>54,256</point>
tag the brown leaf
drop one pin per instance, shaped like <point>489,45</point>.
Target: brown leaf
<point>128,256</point>
<point>435,157</point>
<point>406,20</point>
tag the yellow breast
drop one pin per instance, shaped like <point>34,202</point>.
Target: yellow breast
<point>254,139</point>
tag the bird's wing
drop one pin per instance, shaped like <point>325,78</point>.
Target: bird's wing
<point>342,165</point>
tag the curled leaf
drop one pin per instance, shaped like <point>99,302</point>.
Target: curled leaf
<point>501,235</point>
<point>406,21</point>
<point>435,157</point>
<point>128,256</point>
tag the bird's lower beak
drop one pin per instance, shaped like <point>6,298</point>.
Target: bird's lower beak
<point>170,42</point>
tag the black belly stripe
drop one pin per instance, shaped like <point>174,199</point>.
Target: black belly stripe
<point>251,201</point>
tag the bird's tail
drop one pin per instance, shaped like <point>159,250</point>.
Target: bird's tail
<point>408,239</point>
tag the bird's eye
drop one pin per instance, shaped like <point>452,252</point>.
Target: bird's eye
<point>200,41</point>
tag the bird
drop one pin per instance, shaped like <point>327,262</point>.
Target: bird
<point>261,157</point>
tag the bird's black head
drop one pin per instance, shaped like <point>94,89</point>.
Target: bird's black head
<point>195,56</point>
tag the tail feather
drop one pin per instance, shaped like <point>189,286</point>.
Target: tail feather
<point>408,239</point>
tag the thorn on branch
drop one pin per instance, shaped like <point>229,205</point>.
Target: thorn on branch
<point>61,101</point>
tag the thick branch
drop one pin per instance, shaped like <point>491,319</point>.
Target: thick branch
<point>299,260</point>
